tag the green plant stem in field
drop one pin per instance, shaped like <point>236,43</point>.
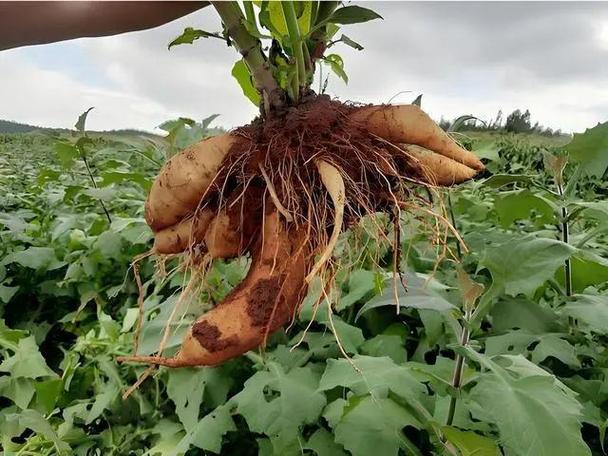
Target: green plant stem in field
<point>90,173</point>
<point>296,44</point>
<point>251,50</point>
<point>457,374</point>
<point>565,239</point>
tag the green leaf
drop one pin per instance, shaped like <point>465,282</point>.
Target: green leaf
<point>592,311</point>
<point>353,15</point>
<point>276,402</point>
<point>38,258</point>
<point>243,77</point>
<point>470,443</point>
<point>376,376</point>
<point>556,347</point>
<point>67,154</point>
<point>590,150</point>
<point>534,413</point>
<point>336,64</point>
<point>500,180</point>
<point>207,433</point>
<point>189,35</point>
<point>510,313</point>
<point>349,337</point>
<point>26,361</point>
<point>418,295</point>
<point>9,338</point>
<point>373,426</point>
<point>385,345</point>
<point>523,204</point>
<point>33,420</point>
<point>323,444</point>
<point>187,387</point>
<point>19,390</point>
<point>48,392</point>
<point>7,293</point>
<point>360,284</point>
<point>522,264</point>
<point>586,269</point>
<point>82,118</point>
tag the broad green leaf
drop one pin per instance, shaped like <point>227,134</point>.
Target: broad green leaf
<point>523,204</point>
<point>187,388</point>
<point>243,77</point>
<point>470,443</point>
<point>208,433</point>
<point>376,376</point>
<point>38,258</point>
<point>533,413</point>
<point>385,345</point>
<point>521,264</point>
<point>104,194</point>
<point>353,15</point>
<point>595,209</point>
<point>276,402</point>
<point>67,154</point>
<point>48,392</point>
<point>360,284</point>
<point>418,295</point>
<point>586,269</point>
<point>26,361</point>
<point>189,35</point>
<point>323,444</point>
<point>373,426</point>
<point>349,337</point>
<point>589,310</point>
<point>488,150</point>
<point>590,150</point>
<point>20,390</point>
<point>510,313</point>
<point>555,346</point>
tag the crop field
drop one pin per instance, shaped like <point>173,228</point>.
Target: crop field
<point>329,278</point>
<point>373,375</point>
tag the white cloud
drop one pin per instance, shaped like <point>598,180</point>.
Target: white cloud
<point>465,58</point>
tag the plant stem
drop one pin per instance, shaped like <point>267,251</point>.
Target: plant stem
<point>457,374</point>
<point>86,164</point>
<point>565,239</point>
<point>251,50</point>
<point>296,43</point>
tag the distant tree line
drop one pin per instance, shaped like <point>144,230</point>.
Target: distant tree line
<point>516,122</point>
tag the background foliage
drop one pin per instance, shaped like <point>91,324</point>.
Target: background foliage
<point>534,374</point>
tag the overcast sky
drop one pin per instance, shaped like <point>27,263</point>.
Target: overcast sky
<point>465,58</point>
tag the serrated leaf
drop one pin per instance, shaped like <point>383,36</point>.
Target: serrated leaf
<point>533,413</point>
<point>353,15</point>
<point>187,387</point>
<point>323,444</point>
<point>27,361</point>
<point>373,426</point>
<point>207,433</point>
<point>276,402</point>
<point>590,150</point>
<point>240,72</point>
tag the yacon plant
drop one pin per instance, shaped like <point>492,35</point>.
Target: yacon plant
<point>284,187</point>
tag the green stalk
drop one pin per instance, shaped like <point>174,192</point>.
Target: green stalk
<point>251,50</point>
<point>296,43</point>
<point>565,239</point>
